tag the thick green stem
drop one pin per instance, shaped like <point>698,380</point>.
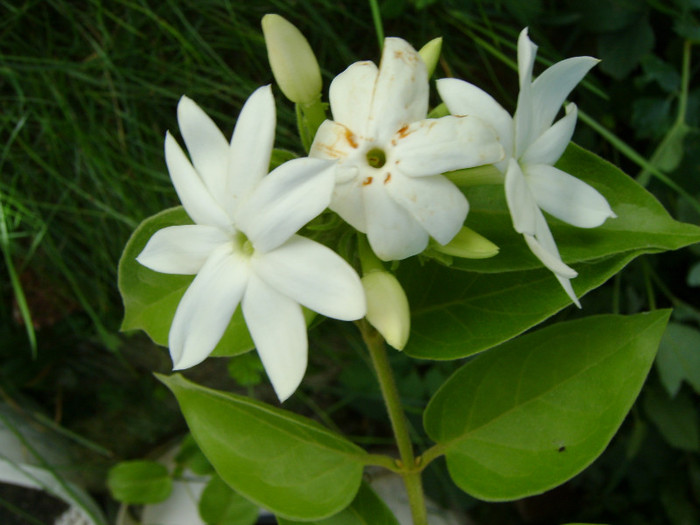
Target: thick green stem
<point>408,467</point>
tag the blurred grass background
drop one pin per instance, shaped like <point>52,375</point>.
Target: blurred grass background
<point>88,89</point>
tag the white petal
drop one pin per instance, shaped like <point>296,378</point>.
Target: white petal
<point>182,249</point>
<point>206,308</point>
<point>335,141</point>
<point>463,98</point>
<point>435,202</point>
<point>207,146</point>
<point>194,195</point>
<point>401,90</point>
<point>351,94</point>
<point>392,232</point>
<point>277,326</point>
<point>550,260</point>
<point>527,51</point>
<point>523,118</point>
<point>551,88</point>
<point>549,146</point>
<point>566,197</point>
<point>285,200</point>
<point>251,146</point>
<point>348,202</point>
<point>521,203</point>
<point>314,276</point>
<point>434,146</point>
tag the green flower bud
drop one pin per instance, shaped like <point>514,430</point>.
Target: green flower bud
<point>387,307</point>
<point>292,61</point>
<point>430,53</point>
<point>467,244</point>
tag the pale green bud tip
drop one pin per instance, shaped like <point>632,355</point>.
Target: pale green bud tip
<point>387,307</point>
<point>430,53</point>
<point>467,244</point>
<point>292,60</point>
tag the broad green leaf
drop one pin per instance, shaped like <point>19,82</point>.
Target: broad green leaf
<point>283,462</point>
<point>219,505</point>
<point>676,419</point>
<point>139,482</point>
<point>366,509</point>
<point>463,313</point>
<point>679,358</point>
<point>151,298</point>
<point>533,412</point>
<point>642,224</point>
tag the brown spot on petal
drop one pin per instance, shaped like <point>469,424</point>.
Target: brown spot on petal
<point>350,137</point>
<point>387,178</point>
<point>367,181</point>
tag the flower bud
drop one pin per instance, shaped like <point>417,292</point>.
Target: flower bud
<point>292,61</point>
<point>467,244</point>
<point>430,53</point>
<point>387,307</point>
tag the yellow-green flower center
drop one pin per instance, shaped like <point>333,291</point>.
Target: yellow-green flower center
<point>376,157</point>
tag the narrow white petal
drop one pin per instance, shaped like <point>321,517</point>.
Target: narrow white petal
<point>435,202</point>
<point>521,203</point>
<point>523,118</point>
<point>251,146</point>
<point>463,98</point>
<point>566,197</point>
<point>285,200</point>
<point>351,94</point>
<point>551,88</point>
<point>401,90</point>
<point>549,259</point>
<point>434,146</point>
<point>206,308</point>
<point>527,51</point>
<point>566,284</point>
<point>392,232</point>
<point>182,249</point>
<point>348,202</point>
<point>277,326</point>
<point>314,276</point>
<point>194,195</point>
<point>335,141</point>
<point>549,146</point>
<point>207,146</point>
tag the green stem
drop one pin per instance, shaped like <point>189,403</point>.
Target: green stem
<point>377,19</point>
<point>390,393</point>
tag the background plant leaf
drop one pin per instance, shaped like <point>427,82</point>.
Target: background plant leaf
<point>279,460</point>
<point>220,505</point>
<point>151,298</point>
<point>140,481</point>
<point>675,419</point>
<point>678,359</point>
<point>530,414</point>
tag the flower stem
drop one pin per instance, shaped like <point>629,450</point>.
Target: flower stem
<point>408,468</point>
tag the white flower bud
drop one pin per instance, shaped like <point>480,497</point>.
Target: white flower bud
<point>467,244</point>
<point>292,61</point>
<point>387,307</point>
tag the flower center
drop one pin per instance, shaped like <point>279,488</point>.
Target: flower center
<point>376,157</point>
<point>243,244</point>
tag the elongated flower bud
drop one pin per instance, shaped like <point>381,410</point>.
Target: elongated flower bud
<point>292,61</point>
<point>430,53</point>
<point>387,307</point>
<point>467,244</point>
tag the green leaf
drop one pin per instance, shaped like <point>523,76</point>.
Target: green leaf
<point>220,505</point>
<point>284,462</point>
<point>679,358</point>
<point>151,298</point>
<point>366,509</point>
<point>642,223</point>
<point>463,313</point>
<point>620,52</point>
<point>533,412</point>
<point>139,482</point>
<point>190,457</point>
<point>676,419</point>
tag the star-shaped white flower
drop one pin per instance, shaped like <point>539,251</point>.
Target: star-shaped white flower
<point>533,144</point>
<point>243,248</point>
<point>390,157</point>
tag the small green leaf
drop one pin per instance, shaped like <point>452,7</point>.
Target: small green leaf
<point>679,358</point>
<point>642,223</point>
<point>139,482</point>
<point>246,369</point>
<point>151,298</point>
<point>366,509</point>
<point>676,419</point>
<point>189,456</point>
<point>694,275</point>
<point>220,505</point>
<point>284,462</point>
<point>533,412</point>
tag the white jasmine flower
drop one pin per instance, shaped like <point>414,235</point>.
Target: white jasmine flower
<point>390,157</point>
<point>243,248</point>
<point>533,144</point>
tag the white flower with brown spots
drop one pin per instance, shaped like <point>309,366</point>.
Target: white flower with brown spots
<point>389,181</point>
